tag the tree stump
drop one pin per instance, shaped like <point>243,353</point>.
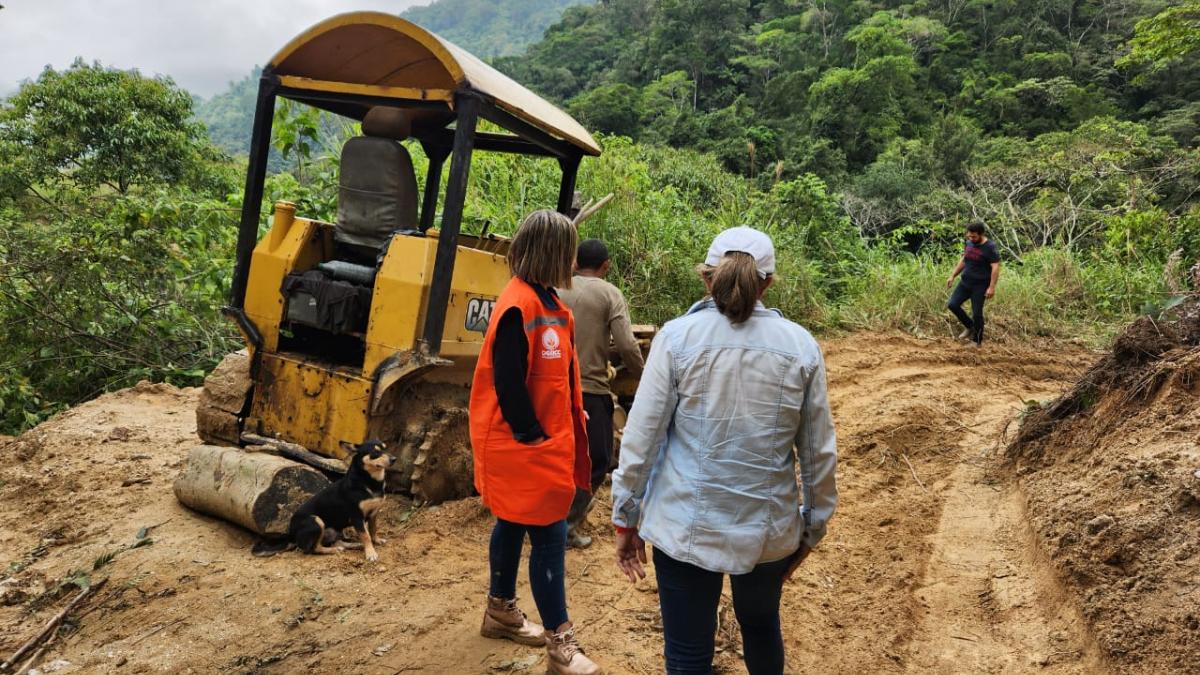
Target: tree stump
<point>256,490</point>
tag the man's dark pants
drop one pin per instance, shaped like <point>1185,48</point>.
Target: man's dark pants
<point>976,292</point>
<point>599,408</point>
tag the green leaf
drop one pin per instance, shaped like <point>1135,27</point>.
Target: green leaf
<point>105,559</point>
<point>80,580</point>
<point>1175,302</point>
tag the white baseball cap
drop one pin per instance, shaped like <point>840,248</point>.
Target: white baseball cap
<point>744,240</point>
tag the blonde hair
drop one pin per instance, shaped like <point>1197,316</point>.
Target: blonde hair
<point>735,285</point>
<point>543,250</point>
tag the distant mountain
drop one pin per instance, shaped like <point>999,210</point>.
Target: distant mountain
<point>489,28</point>
<point>486,28</point>
<point>230,114</point>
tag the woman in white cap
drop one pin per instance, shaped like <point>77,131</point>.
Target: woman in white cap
<point>733,394</point>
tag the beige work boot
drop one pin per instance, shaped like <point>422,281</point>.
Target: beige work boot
<point>564,656</point>
<point>503,620</point>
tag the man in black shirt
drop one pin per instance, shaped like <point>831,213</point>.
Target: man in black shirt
<point>980,270</point>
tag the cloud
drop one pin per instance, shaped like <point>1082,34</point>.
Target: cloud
<point>202,44</point>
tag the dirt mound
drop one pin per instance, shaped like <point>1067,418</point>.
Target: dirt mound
<point>1112,473</point>
<point>926,567</point>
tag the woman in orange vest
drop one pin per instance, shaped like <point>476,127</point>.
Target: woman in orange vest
<point>529,440</point>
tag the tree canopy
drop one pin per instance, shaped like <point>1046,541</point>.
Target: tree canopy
<point>1053,120</point>
<point>861,134</point>
<point>92,126</point>
<point>1171,34</point>
<point>115,239</point>
<point>829,85</point>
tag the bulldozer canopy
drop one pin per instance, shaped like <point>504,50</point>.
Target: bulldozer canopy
<point>384,56</point>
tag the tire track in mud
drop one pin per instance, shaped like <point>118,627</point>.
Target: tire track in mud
<point>932,558</point>
<point>989,603</point>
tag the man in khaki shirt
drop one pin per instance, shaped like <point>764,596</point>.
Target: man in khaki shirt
<point>601,318</point>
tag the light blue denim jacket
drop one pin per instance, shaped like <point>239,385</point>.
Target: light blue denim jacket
<point>708,457</point>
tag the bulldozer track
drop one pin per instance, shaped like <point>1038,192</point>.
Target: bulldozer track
<point>442,468</point>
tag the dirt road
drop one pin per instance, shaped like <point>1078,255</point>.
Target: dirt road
<point>929,565</point>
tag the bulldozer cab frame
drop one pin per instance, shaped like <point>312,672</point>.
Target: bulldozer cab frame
<point>370,327</point>
<point>352,62</point>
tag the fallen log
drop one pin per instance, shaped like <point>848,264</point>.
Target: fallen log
<point>258,491</point>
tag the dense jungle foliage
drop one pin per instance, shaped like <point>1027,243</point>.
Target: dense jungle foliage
<point>861,135</point>
<point>921,114</point>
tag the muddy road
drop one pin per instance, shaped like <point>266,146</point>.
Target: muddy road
<point>929,565</point>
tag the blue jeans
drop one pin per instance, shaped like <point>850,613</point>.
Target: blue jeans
<point>546,559</point>
<point>689,597</point>
<point>977,292</point>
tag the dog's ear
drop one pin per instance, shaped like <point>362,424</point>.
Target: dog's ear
<point>348,447</point>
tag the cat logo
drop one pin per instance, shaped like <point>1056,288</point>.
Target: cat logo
<point>479,314</point>
<point>550,344</point>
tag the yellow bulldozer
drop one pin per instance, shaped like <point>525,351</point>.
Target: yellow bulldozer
<point>369,327</point>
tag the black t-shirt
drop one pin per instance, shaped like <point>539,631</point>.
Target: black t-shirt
<point>978,259</point>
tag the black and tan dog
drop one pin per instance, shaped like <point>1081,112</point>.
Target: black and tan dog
<point>352,501</point>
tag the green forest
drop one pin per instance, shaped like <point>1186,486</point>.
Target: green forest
<point>1036,117</point>
<point>861,135</point>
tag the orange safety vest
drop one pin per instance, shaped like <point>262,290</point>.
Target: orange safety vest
<point>532,484</point>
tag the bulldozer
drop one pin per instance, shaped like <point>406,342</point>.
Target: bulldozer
<point>369,327</point>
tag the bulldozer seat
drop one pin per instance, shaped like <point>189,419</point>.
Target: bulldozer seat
<point>377,194</point>
<point>377,197</point>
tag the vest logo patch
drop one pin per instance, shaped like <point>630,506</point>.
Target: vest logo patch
<point>551,344</point>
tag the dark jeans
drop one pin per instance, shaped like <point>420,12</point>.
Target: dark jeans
<point>600,448</point>
<point>545,566</point>
<point>599,408</point>
<point>976,291</point>
<point>689,597</point>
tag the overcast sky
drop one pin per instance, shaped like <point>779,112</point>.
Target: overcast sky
<point>202,44</point>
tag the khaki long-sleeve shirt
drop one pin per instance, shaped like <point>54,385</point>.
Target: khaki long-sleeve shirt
<point>601,319</point>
